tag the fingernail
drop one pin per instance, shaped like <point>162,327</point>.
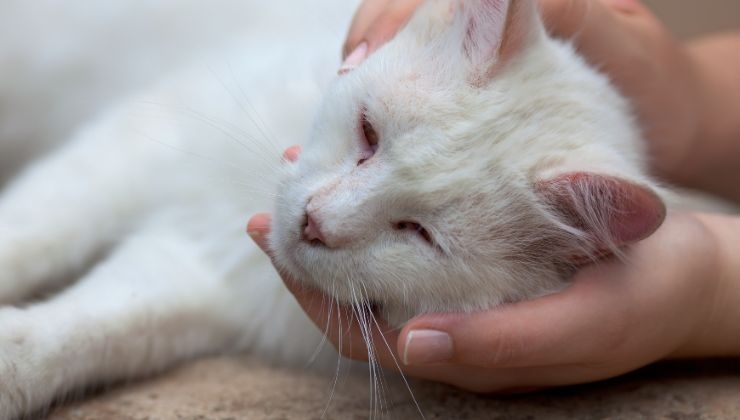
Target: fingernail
<point>354,58</point>
<point>425,347</point>
<point>254,234</point>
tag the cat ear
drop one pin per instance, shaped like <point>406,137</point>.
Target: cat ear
<point>496,31</point>
<point>606,212</point>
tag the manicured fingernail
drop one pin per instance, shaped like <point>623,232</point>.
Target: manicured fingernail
<point>354,58</point>
<point>424,347</point>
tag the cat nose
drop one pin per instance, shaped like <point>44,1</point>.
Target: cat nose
<point>312,231</point>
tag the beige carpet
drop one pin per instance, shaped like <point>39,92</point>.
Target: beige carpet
<point>234,388</point>
<point>231,388</point>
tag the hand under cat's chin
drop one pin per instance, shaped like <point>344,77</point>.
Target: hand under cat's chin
<point>516,346</point>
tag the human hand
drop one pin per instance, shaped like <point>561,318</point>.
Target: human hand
<point>621,38</point>
<point>671,299</point>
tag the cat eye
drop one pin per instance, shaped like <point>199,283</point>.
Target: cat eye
<point>369,139</point>
<point>415,228</point>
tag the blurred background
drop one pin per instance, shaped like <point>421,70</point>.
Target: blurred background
<point>689,18</point>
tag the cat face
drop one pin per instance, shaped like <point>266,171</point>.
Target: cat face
<point>471,161</point>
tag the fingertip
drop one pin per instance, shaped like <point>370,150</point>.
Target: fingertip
<point>258,228</point>
<point>291,153</point>
<point>427,340</point>
<point>353,40</point>
<point>355,58</point>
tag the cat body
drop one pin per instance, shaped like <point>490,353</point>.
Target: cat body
<point>144,209</point>
<point>483,137</point>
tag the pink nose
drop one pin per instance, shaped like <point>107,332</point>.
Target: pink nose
<point>312,231</point>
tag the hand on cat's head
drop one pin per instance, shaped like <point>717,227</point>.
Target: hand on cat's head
<point>615,317</point>
<point>621,38</point>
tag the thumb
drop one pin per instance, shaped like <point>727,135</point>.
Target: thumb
<point>543,332</point>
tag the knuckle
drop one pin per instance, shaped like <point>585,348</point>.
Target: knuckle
<point>504,350</point>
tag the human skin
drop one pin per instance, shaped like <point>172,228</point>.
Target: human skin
<point>677,293</point>
<point>676,296</point>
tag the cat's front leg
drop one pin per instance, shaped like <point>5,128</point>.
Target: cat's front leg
<point>62,212</point>
<point>153,303</point>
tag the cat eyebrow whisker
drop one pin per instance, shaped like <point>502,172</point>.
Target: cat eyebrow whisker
<point>257,121</point>
<point>254,116</point>
<point>228,129</point>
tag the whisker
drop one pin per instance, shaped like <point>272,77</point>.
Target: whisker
<point>398,367</point>
<point>339,362</point>
<point>229,130</point>
<point>243,108</point>
<point>321,344</point>
<point>259,124</point>
<point>381,378</point>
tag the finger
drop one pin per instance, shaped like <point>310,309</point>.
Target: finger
<point>514,380</point>
<point>366,14</point>
<point>291,153</point>
<point>375,22</point>
<point>258,228</point>
<point>389,22</point>
<point>328,315</point>
<point>543,332</point>
<point>356,333</point>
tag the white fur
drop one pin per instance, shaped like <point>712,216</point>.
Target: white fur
<point>460,159</point>
<point>144,209</point>
<point>141,213</point>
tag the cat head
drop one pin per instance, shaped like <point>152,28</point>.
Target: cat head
<point>471,161</point>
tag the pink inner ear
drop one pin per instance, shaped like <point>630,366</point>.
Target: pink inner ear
<point>614,212</point>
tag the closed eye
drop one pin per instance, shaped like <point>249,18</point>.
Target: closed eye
<point>368,138</point>
<point>417,229</point>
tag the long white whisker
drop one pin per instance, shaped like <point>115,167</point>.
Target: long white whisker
<point>381,377</point>
<point>244,109</point>
<point>398,366</point>
<point>229,130</point>
<point>339,363</point>
<point>257,121</point>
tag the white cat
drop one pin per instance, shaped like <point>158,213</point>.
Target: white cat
<point>471,161</point>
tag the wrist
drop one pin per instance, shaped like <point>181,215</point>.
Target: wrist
<point>715,332</point>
